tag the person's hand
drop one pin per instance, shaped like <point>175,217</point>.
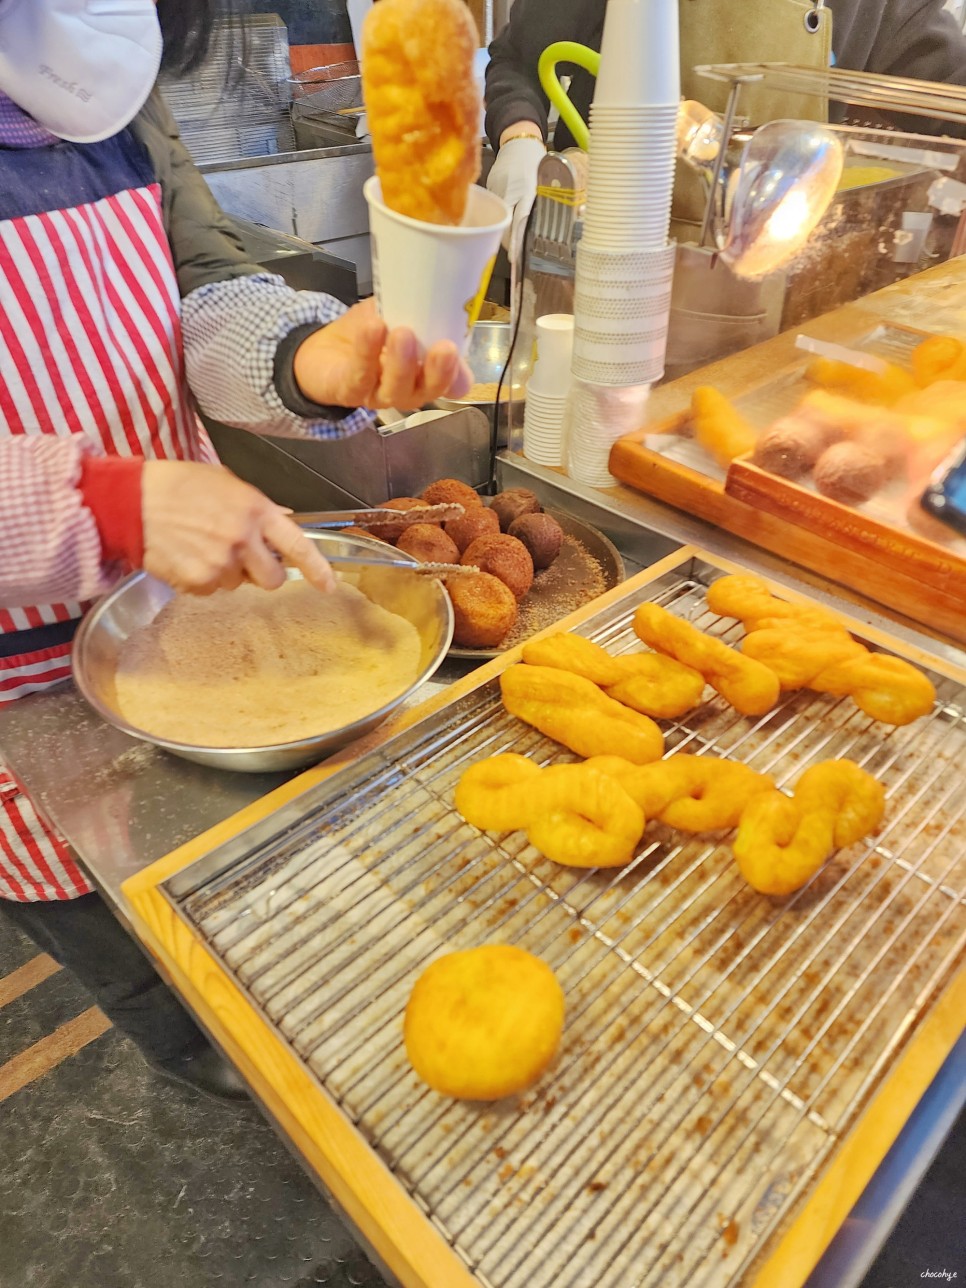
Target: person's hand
<point>356,361</point>
<point>205,530</point>
<point>514,178</point>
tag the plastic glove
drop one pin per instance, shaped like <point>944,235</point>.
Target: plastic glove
<point>356,361</point>
<point>205,530</point>
<point>514,178</point>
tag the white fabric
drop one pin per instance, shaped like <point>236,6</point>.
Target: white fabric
<point>81,68</point>
<point>514,178</point>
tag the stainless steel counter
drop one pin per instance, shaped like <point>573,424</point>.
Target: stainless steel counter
<point>123,804</point>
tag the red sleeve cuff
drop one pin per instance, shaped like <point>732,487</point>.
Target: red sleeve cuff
<point>111,490</point>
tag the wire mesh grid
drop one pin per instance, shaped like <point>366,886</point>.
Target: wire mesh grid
<point>717,1044</point>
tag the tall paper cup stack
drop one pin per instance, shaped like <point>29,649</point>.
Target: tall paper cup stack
<point>624,264</point>
<point>543,417</point>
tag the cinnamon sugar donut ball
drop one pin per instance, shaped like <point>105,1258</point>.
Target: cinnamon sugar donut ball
<point>450,492</point>
<point>393,530</point>
<point>850,473</point>
<point>789,450</point>
<point>514,502</point>
<point>478,521</point>
<point>541,534</point>
<point>484,609</point>
<point>506,558</point>
<point>428,543</point>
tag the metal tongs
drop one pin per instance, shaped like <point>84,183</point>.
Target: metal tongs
<point>426,569</point>
<point>374,518</point>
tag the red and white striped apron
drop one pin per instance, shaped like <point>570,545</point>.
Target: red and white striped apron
<point>90,342</point>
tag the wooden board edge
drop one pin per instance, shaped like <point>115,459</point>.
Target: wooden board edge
<point>923,559</point>
<point>205,842</point>
<point>857,1157</point>
<point>367,1192</point>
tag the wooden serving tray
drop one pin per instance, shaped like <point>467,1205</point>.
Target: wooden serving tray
<point>891,565</point>
<point>895,567</point>
<point>849,1100</point>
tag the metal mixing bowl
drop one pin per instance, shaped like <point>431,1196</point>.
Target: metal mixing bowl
<point>138,599</point>
<point>486,357</point>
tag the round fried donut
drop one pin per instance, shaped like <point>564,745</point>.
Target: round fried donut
<point>483,608</point>
<point>477,522</point>
<point>503,557</point>
<point>449,492</point>
<point>394,529</point>
<point>428,543</point>
<point>484,1023</point>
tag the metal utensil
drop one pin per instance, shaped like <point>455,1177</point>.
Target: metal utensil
<point>425,568</point>
<point>336,519</point>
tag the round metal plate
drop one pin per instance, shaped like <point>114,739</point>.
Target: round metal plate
<point>588,564</point>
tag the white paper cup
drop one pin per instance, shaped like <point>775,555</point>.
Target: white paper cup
<point>555,342</point>
<point>639,59</point>
<point>432,277</point>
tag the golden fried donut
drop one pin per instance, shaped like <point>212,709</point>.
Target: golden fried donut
<point>797,657</point>
<point>783,841</point>
<point>485,1022</point>
<point>422,105</point>
<point>854,799</point>
<point>583,819</point>
<point>573,711</point>
<point>484,609</point>
<point>573,814</point>
<point>779,846</point>
<point>749,598</point>
<point>884,687</point>
<point>394,529</point>
<point>651,683</point>
<point>690,793</point>
<point>750,687</point>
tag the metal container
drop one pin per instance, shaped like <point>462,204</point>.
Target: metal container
<point>138,599</point>
<point>486,357</point>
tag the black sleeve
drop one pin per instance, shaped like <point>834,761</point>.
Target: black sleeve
<point>922,40</point>
<point>513,91</point>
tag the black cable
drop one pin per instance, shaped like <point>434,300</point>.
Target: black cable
<point>495,417</point>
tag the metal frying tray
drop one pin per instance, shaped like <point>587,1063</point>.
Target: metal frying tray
<point>718,1045</point>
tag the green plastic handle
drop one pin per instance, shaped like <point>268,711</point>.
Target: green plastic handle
<point>567,51</point>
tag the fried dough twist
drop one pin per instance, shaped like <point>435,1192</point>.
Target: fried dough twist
<point>651,683</point>
<point>810,648</point>
<point>783,841</point>
<point>571,813</point>
<point>422,105</point>
<point>690,793</point>
<point>574,711</point>
<point>750,599</point>
<point>750,687</point>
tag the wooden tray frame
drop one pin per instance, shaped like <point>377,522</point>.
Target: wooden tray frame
<point>901,570</point>
<point>393,1225</point>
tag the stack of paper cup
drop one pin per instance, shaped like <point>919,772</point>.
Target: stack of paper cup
<point>597,416</point>
<point>621,305</point>
<point>543,417</point>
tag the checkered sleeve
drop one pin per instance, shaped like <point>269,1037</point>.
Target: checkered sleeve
<point>49,539</point>
<point>232,332</point>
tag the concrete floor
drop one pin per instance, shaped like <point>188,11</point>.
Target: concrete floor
<point>112,1177</point>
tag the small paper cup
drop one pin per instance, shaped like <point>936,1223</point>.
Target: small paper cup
<point>432,277</point>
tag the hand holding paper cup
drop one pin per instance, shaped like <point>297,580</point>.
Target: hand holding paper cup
<point>434,233</point>
<point>432,277</point>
